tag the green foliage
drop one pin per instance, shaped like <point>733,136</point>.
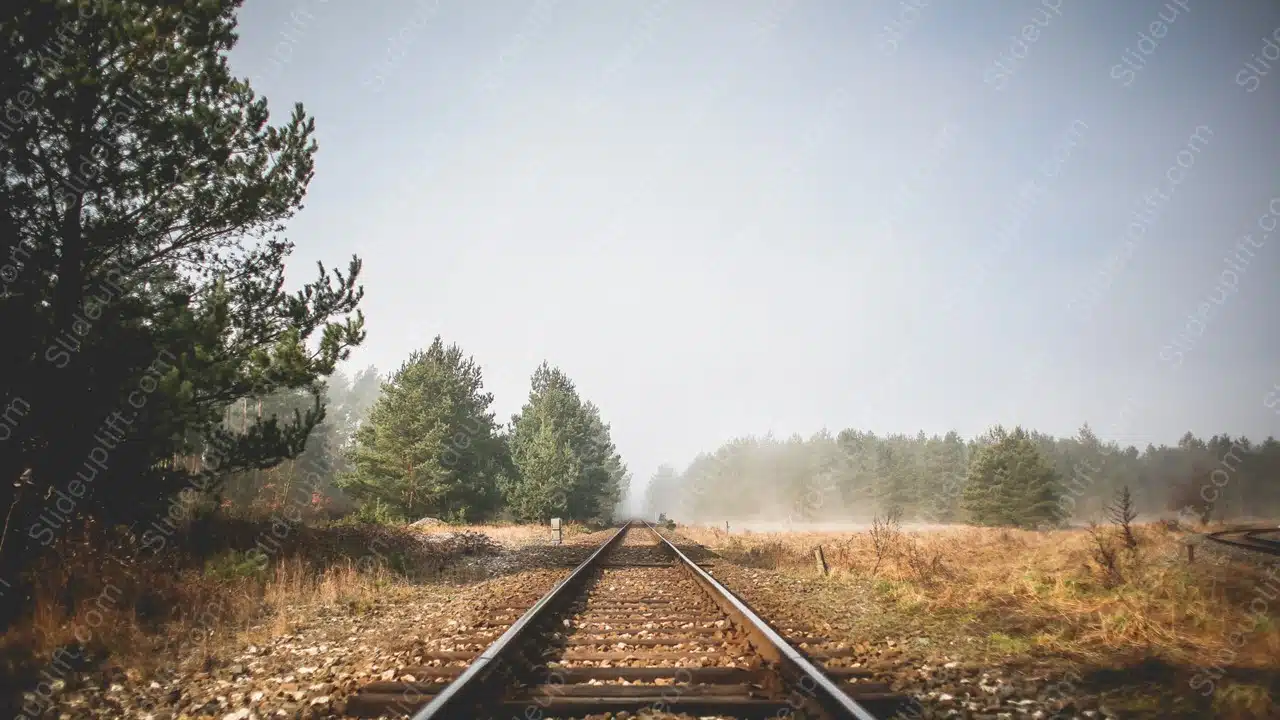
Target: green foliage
<point>944,467</point>
<point>143,197</point>
<point>857,474</point>
<point>1122,516</point>
<point>819,478</point>
<point>1007,644</point>
<point>564,461</point>
<point>234,565</point>
<point>374,512</point>
<point>315,471</point>
<point>1011,483</point>
<point>430,447</point>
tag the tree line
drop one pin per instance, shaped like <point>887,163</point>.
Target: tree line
<point>431,446</point>
<point>1013,477</point>
<point>154,360</point>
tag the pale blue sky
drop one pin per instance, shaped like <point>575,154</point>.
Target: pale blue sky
<point>724,218</point>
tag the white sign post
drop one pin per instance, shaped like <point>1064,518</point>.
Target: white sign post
<point>559,531</point>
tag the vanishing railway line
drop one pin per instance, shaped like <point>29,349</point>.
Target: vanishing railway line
<point>638,627</point>
<point>1264,540</point>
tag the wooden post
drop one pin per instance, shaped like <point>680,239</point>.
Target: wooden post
<point>821,561</point>
<point>1191,553</point>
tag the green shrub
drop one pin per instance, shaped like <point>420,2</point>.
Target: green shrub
<point>374,513</point>
<point>234,565</point>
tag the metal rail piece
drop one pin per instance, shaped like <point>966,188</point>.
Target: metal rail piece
<point>1248,539</point>
<point>451,701</point>
<point>810,678</point>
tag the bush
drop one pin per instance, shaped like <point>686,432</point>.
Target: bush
<point>374,513</point>
<point>234,565</point>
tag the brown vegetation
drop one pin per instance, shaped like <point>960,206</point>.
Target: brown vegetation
<point>1081,599</point>
<point>98,602</point>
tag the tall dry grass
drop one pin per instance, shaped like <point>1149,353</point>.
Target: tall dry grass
<point>1044,591</point>
<point>100,605</point>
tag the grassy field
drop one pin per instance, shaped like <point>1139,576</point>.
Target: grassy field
<point>1130,621</point>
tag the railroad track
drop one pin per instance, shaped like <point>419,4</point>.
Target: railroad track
<point>1264,540</point>
<point>638,628</point>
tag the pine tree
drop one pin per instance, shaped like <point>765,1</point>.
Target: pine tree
<point>1011,483</point>
<point>144,195</point>
<point>603,477</point>
<point>430,445</point>
<point>893,487</point>
<point>946,468</point>
<point>564,459</point>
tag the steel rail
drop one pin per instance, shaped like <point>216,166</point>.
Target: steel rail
<point>446,704</point>
<point>834,696</point>
<point>1253,535</point>
<point>1251,540</point>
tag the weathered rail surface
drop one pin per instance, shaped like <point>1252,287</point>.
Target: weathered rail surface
<point>1264,540</point>
<point>638,627</point>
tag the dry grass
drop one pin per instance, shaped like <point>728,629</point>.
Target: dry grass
<point>1042,592</point>
<point>509,534</point>
<point>1153,636</point>
<point>96,599</point>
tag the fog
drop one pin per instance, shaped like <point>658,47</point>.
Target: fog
<point>1000,477</point>
<point>770,217</point>
<point>766,526</point>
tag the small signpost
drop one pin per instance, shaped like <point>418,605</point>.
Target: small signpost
<point>820,560</point>
<point>558,530</point>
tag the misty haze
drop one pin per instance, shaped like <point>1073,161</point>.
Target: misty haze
<point>428,359</point>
